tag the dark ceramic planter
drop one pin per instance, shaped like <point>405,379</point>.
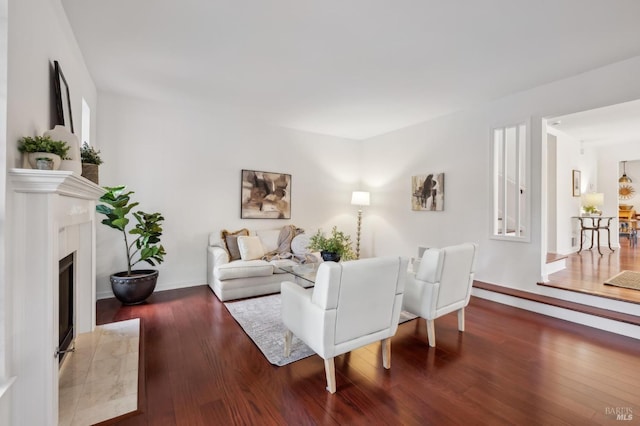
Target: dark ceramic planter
<point>136,288</point>
<point>328,256</point>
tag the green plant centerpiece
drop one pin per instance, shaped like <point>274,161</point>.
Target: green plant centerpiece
<point>133,286</point>
<point>90,159</point>
<point>335,247</point>
<point>43,147</point>
<point>591,210</point>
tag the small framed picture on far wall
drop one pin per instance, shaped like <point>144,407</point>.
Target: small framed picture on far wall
<point>576,183</point>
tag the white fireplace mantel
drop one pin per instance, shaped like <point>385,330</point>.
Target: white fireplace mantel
<point>53,215</point>
<point>54,182</point>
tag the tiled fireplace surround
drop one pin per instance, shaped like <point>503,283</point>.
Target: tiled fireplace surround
<point>54,215</point>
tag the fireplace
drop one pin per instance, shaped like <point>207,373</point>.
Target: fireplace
<point>54,215</point>
<point>65,305</point>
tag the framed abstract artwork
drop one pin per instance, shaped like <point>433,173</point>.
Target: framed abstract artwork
<point>575,183</point>
<point>427,192</point>
<point>265,195</point>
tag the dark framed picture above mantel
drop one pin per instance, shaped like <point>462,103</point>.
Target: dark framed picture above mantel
<point>63,100</point>
<point>265,195</point>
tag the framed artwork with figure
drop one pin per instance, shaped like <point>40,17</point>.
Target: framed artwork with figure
<point>576,183</point>
<point>265,195</point>
<point>427,192</point>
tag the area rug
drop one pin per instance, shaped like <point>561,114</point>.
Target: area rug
<point>626,279</point>
<point>260,318</point>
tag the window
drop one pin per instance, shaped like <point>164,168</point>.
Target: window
<point>86,124</point>
<point>510,192</point>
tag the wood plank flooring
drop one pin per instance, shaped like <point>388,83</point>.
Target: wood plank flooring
<point>587,271</point>
<point>510,366</point>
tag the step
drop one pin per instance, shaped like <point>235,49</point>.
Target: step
<point>565,304</point>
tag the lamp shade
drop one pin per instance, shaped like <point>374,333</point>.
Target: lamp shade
<point>624,178</point>
<point>592,199</point>
<point>360,198</point>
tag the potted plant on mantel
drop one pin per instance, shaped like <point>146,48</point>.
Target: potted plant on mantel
<point>334,248</point>
<point>90,161</point>
<point>39,147</point>
<point>133,286</point>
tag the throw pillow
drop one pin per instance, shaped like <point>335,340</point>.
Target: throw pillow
<point>300,244</point>
<point>250,248</point>
<point>269,238</point>
<point>231,242</point>
<point>300,249</point>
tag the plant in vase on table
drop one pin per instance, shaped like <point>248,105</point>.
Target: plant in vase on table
<point>335,247</point>
<point>591,211</point>
<point>133,286</point>
<point>39,147</point>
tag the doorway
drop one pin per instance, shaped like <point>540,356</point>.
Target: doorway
<point>593,146</point>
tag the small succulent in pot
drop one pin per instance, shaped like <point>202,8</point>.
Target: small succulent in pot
<point>43,147</point>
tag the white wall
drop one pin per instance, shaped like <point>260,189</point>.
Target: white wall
<point>569,156</point>
<point>552,193</point>
<point>5,406</point>
<point>185,162</point>
<point>458,145</point>
<point>589,168</point>
<point>38,34</point>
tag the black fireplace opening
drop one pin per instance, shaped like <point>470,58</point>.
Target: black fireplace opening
<point>66,315</point>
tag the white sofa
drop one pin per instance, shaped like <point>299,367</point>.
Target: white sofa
<point>236,279</point>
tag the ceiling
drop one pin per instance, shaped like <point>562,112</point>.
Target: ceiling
<point>352,69</point>
<point>602,126</point>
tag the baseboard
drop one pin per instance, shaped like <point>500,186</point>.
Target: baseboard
<point>555,266</point>
<point>107,294</point>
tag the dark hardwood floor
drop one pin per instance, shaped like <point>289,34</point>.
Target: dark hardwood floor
<point>587,271</point>
<point>510,366</point>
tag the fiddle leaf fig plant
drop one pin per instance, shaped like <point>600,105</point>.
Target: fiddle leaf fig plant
<point>145,246</point>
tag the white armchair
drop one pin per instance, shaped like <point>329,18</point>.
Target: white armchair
<point>352,305</point>
<point>441,285</point>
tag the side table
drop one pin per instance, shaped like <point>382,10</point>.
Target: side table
<point>595,224</point>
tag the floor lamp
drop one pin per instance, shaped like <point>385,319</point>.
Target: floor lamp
<point>360,199</point>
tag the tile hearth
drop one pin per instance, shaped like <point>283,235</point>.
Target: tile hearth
<point>99,381</point>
